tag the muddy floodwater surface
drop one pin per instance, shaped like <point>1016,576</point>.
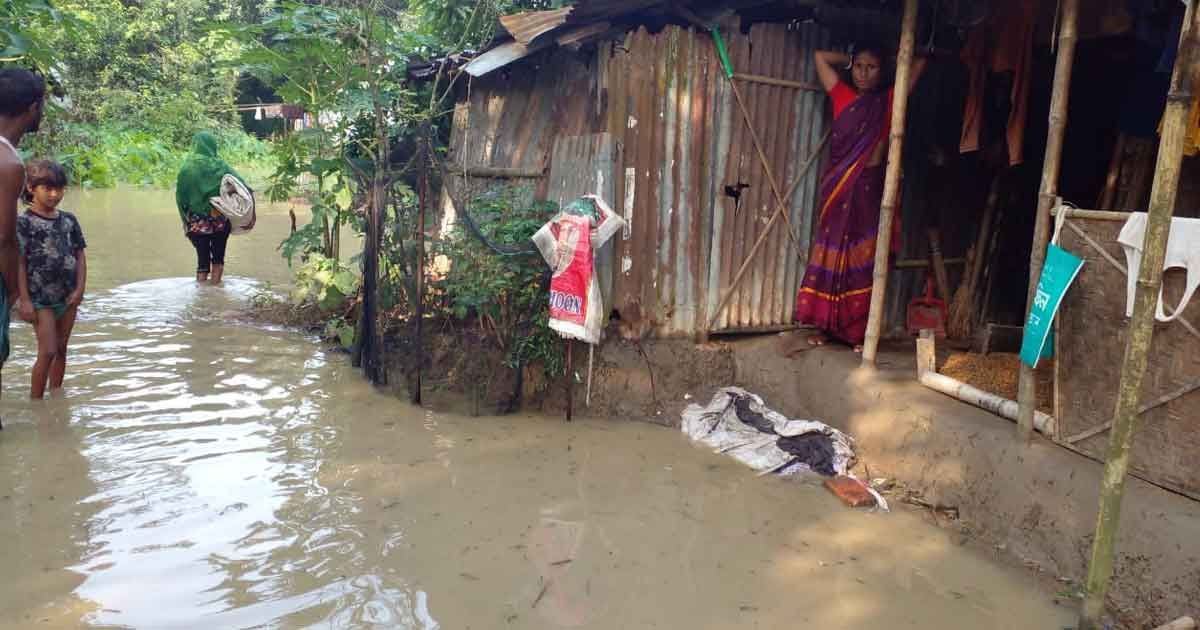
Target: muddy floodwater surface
<point>205,473</point>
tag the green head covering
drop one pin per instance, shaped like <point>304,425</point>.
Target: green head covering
<point>200,177</point>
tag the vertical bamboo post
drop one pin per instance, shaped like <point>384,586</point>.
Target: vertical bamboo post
<point>891,182</point>
<point>1027,392</point>
<point>1141,326</point>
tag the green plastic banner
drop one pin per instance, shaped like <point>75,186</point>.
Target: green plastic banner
<point>1058,272</point>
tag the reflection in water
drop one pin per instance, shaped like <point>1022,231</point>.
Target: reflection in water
<point>206,473</point>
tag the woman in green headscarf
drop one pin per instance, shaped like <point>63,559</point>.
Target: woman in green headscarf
<point>208,230</point>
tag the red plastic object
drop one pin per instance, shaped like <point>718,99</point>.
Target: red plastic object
<point>851,491</point>
<point>927,311</point>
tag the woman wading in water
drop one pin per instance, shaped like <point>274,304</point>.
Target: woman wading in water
<point>836,293</point>
<point>208,230</point>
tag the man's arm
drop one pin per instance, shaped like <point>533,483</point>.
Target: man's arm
<point>12,175</point>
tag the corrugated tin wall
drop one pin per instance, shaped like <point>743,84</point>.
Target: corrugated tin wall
<point>789,123</point>
<point>679,140</point>
<point>662,93</point>
<point>685,140</point>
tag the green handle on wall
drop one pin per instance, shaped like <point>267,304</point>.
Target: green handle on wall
<point>724,54</point>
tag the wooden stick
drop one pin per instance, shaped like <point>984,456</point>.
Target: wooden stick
<point>1114,169</point>
<point>1027,392</point>
<point>962,310</point>
<point>587,397</point>
<point>504,173</point>
<point>1163,195</point>
<point>917,263</point>
<point>570,380</point>
<point>1154,404</point>
<point>939,264</point>
<point>891,182</point>
<point>782,210</point>
<point>1094,215</point>
<point>758,78</point>
<point>762,157</point>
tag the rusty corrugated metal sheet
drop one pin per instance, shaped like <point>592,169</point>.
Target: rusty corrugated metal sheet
<point>512,121</point>
<point>678,139</point>
<point>657,95</point>
<point>526,26</point>
<point>789,122</point>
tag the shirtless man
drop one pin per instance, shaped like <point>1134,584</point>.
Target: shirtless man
<point>22,96</point>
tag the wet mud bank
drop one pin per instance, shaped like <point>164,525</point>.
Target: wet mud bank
<point>1032,506</point>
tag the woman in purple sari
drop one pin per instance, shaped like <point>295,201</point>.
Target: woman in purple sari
<point>836,293</point>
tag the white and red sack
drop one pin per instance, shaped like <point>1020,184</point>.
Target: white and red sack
<point>568,243</point>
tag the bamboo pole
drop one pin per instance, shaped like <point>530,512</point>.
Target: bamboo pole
<point>1027,391</point>
<point>419,307</point>
<point>987,401</point>
<point>1141,326</point>
<point>757,78</point>
<point>891,182</point>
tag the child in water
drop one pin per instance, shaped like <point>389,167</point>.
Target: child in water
<point>53,271</point>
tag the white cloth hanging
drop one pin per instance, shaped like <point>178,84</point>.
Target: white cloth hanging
<point>1183,251</point>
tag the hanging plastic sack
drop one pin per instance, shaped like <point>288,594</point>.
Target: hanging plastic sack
<point>568,243</point>
<point>1059,271</point>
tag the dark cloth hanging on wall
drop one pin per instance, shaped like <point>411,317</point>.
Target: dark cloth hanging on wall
<point>999,54</point>
<point>1156,33</point>
<point>931,135</point>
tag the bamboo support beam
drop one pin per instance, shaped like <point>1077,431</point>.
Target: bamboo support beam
<point>1154,404</point>
<point>891,182</point>
<point>987,401</point>
<point>916,263</point>
<point>1141,327</point>
<point>1095,215</point>
<point>1027,384</point>
<point>500,172</point>
<point>758,78</point>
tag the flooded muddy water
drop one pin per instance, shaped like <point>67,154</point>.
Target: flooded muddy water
<point>202,473</point>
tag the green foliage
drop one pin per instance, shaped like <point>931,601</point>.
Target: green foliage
<point>346,62</point>
<point>504,295</point>
<point>138,79</point>
<point>324,282</point>
<point>24,25</point>
<point>100,156</point>
<point>341,330</point>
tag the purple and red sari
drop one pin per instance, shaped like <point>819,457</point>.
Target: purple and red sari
<point>835,295</point>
